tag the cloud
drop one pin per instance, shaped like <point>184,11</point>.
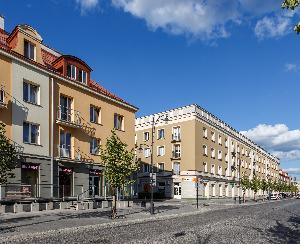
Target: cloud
<point>86,5</point>
<point>209,20</point>
<point>272,27</point>
<point>277,139</point>
<point>290,67</point>
<point>293,170</point>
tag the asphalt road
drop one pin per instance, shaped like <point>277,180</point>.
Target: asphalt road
<point>274,222</point>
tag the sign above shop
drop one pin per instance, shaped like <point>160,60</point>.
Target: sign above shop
<point>95,172</point>
<point>66,170</point>
<point>30,166</point>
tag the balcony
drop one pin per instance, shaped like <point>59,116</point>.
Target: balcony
<point>68,117</point>
<point>64,152</point>
<point>176,138</point>
<point>67,153</point>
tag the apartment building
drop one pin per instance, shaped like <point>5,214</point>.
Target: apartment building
<point>195,146</point>
<point>284,177</point>
<point>57,117</point>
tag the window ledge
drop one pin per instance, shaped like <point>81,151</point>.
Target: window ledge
<point>34,104</point>
<point>95,123</point>
<point>33,144</point>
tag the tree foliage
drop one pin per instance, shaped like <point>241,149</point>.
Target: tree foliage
<point>245,183</point>
<point>119,163</point>
<point>8,157</point>
<point>292,4</point>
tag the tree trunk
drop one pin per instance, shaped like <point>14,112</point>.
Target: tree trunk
<point>114,208</point>
<point>244,196</point>
<point>254,196</point>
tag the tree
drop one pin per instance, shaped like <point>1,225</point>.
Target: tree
<point>264,185</point>
<point>292,4</point>
<point>119,165</point>
<point>8,157</point>
<point>246,184</point>
<point>255,185</point>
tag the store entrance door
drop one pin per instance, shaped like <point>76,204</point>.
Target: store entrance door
<point>177,191</point>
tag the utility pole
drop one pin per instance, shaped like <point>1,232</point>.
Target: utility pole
<point>197,185</point>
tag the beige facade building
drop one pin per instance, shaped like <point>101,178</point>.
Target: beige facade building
<point>195,145</point>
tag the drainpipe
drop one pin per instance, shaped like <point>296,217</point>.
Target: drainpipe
<point>52,139</point>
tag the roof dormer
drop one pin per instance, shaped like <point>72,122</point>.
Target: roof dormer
<point>26,41</point>
<point>73,68</point>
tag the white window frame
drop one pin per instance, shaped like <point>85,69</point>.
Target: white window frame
<point>159,153</point>
<point>220,170</point>
<point>158,166</point>
<point>147,152</point>
<point>29,133</point>
<point>178,152</point>
<point>29,87</point>
<point>213,169</point>
<point>220,140</point>
<point>220,155</point>
<point>30,45</point>
<point>146,168</point>
<point>71,74</point>
<point>144,135</point>
<point>213,136</point>
<point>93,109</point>
<point>204,150</point>
<point>205,167</point>
<point>176,163</point>
<point>213,152</point>
<point>204,132</point>
<point>83,81</point>
<point>176,133</point>
<point>158,134</point>
<point>98,142</point>
<point>122,122</point>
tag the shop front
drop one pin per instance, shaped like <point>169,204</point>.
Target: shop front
<point>30,179</point>
<point>95,183</point>
<point>65,182</point>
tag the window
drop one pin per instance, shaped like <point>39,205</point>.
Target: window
<point>30,93</point>
<point>65,108</point>
<point>1,96</point>
<point>205,167</point>
<point>31,133</point>
<point>176,168</point>
<point>95,115</point>
<point>147,152</point>
<point>95,146</point>
<point>161,151</point>
<point>146,168</point>
<point>220,170</point>
<point>220,140</point>
<point>226,157</point>
<point>29,50</point>
<point>226,142</point>
<point>212,170</point>
<point>161,166</point>
<point>204,132</point>
<point>118,122</point>
<point>82,77</point>
<point>220,155</point>
<point>176,135</point>
<point>176,151</point>
<point>213,136</point>
<point>71,71</point>
<point>65,144</point>
<point>204,150</point>
<point>160,134</point>
<point>146,136</point>
<point>213,153</point>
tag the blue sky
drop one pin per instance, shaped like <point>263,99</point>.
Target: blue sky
<point>236,58</point>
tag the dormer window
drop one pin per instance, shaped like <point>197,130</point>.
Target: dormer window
<point>71,71</point>
<point>29,50</point>
<point>82,76</point>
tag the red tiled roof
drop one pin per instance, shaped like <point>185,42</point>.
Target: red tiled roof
<point>48,59</point>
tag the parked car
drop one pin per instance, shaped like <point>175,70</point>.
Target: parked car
<point>274,196</point>
<point>298,196</point>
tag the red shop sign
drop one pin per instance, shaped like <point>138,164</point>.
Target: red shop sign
<point>66,170</point>
<point>30,166</point>
<point>95,172</point>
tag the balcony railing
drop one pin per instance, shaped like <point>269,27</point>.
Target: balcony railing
<point>69,117</point>
<point>64,151</point>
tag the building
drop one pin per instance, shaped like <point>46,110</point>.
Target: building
<point>284,177</point>
<point>195,145</point>
<point>56,116</point>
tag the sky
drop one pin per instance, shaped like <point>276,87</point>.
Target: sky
<point>237,58</point>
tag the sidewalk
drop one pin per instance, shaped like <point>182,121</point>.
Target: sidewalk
<point>32,222</point>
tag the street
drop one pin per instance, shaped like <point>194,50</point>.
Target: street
<point>272,222</point>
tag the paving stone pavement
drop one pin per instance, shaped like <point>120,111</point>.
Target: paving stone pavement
<point>139,226</point>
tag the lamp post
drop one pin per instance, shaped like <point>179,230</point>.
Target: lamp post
<point>154,121</point>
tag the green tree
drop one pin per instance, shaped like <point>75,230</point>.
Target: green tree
<point>292,4</point>
<point>255,185</point>
<point>119,165</point>
<point>246,185</point>
<point>264,185</point>
<point>8,157</point>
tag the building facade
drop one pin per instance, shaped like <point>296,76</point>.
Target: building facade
<point>195,146</point>
<point>57,117</point>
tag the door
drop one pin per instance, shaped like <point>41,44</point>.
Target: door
<point>94,186</point>
<point>177,191</point>
<point>65,108</point>
<point>65,144</point>
<point>65,184</point>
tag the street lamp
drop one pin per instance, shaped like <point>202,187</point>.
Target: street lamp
<point>154,121</point>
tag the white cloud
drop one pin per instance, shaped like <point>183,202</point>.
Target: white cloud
<point>289,67</point>
<point>277,139</point>
<point>86,5</point>
<point>273,26</point>
<point>208,20</point>
<point>293,170</point>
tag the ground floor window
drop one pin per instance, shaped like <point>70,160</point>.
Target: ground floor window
<point>30,179</point>
<point>65,182</point>
<point>95,183</point>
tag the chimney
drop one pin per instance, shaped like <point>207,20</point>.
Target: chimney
<point>1,22</point>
